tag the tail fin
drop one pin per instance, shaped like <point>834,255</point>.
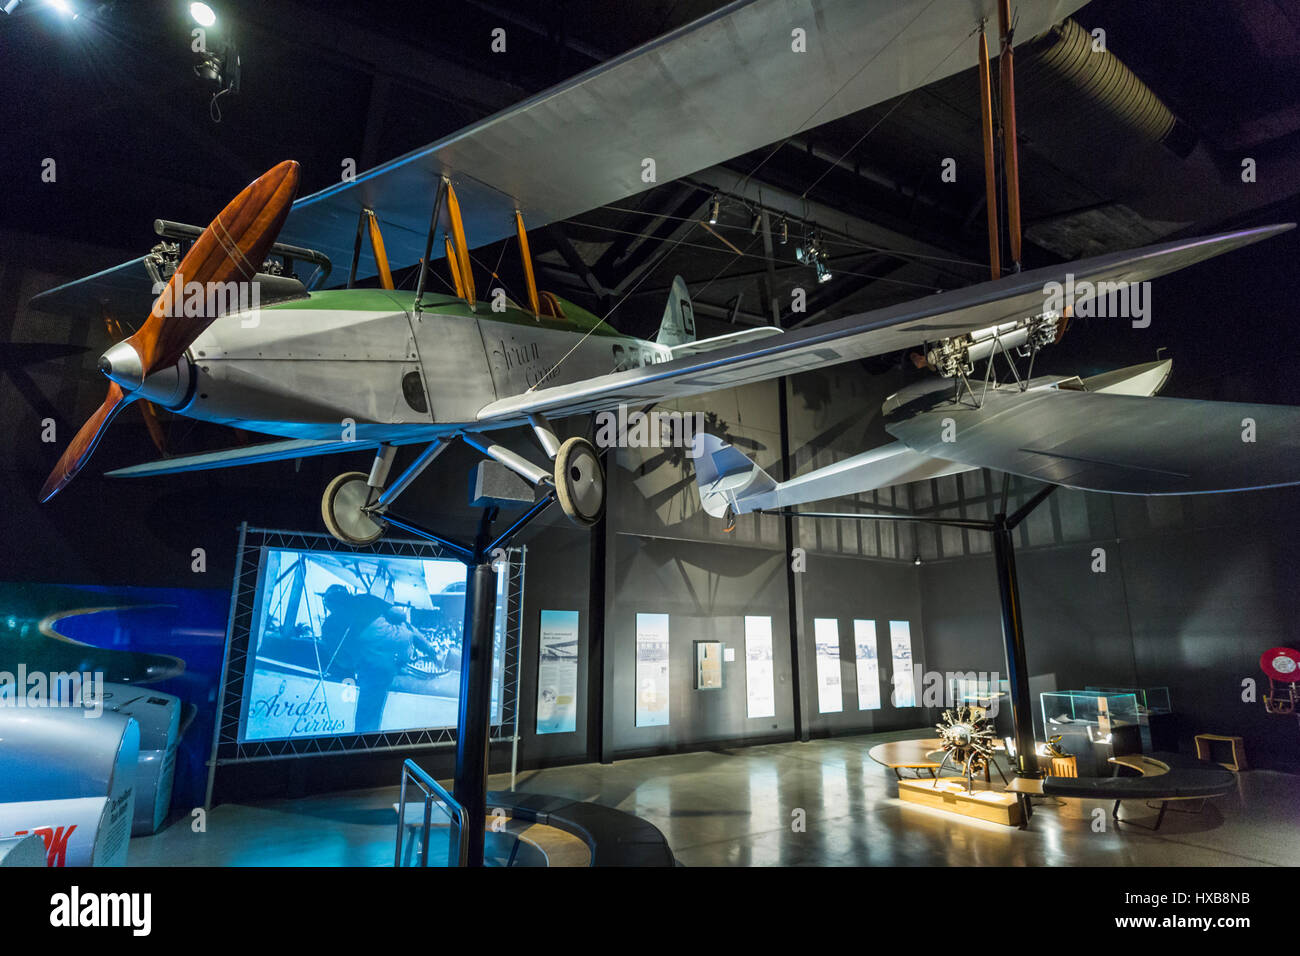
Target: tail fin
<point>678,326</point>
<point>723,475</point>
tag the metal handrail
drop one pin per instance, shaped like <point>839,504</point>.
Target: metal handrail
<point>431,789</point>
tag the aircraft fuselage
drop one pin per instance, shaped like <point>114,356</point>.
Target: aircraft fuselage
<point>365,359</point>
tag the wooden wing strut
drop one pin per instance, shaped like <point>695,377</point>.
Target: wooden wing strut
<point>990,169</point>
<point>454,267</point>
<point>462,250</point>
<point>533,302</point>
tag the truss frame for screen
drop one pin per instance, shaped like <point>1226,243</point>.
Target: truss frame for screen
<point>228,750</point>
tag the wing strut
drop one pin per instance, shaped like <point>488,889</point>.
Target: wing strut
<point>428,244</point>
<point>990,167</point>
<point>533,302</point>
<point>461,249</point>
<point>368,224</point>
<point>453,267</point>
<point>1006,65</point>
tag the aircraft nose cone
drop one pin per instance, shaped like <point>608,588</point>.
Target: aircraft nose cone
<point>122,365</point>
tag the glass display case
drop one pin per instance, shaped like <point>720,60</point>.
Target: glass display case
<point>1150,700</point>
<point>990,698</point>
<point>1155,715</point>
<point>1093,726</point>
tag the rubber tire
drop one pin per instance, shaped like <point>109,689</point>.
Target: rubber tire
<point>327,506</point>
<point>564,458</point>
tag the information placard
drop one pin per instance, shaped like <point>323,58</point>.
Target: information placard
<point>826,633</point>
<point>760,687</point>
<point>864,644</point>
<point>651,670</point>
<point>557,672</point>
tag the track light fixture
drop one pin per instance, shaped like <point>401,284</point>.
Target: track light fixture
<point>714,209</point>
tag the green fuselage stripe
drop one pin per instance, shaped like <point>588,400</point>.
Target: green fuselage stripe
<point>577,319</point>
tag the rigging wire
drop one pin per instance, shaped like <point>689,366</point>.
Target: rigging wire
<point>603,319</point>
<point>842,87</point>
<point>841,239</point>
<point>897,103</point>
<point>929,287</point>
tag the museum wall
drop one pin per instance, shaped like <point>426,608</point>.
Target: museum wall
<point>667,556</point>
<point>1194,590</point>
<point>846,589</point>
<point>556,577</point>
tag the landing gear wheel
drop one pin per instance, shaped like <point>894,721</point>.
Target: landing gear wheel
<point>341,506</point>
<point>580,482</point>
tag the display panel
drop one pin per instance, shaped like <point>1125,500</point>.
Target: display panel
<point>826,634</point>
<point>557,673</point>
<point>760,686</point>
<point>864,646</point>
<point>708,665</point>
<point>900,645</point>
<point>345,644</point>
<point>651,670</point>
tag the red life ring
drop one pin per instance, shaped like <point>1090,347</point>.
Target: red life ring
<point>1281,664</point>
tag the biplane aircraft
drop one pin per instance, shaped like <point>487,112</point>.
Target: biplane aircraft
<point>332,370</point>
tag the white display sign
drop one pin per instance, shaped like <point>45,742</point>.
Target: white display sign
<point>900,643</point>
<point>864,645</point>
<point>651,670</point>
<point>557,673</point>
<point>760,688</point>
<point>826,634</point>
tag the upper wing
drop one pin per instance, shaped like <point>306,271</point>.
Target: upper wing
<point>123,290</point>
<point>709,91</point>
<point>860,336</point>
<point>695,97</point>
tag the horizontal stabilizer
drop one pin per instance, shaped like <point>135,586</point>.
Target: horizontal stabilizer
<point>1123,444</point>
<point>252,455</point>
<point>723,474</point>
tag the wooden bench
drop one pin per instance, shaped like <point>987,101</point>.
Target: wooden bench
<point>908,755</point>
<point>1165,777</point>
<point>1205,749</point>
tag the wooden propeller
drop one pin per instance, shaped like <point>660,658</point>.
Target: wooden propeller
<point>230,249</point>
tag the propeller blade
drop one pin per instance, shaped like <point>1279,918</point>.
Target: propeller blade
<point>79,449</point>
<point>231,248</point>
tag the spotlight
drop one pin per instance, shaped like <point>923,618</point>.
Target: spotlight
<point>813,255</point>
<point>202,14</point>
<point>917,560</point>
<point>64,8</point>
<point>785,230</point>
<point>714,210</point>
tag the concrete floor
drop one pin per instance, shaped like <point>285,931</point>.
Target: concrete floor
<point>739,808</point>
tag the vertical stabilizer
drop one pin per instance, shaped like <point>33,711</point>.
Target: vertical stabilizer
<point>678,326</point>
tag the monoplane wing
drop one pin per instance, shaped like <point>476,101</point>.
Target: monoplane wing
<point>1122,444</point>
<point>860,336</point>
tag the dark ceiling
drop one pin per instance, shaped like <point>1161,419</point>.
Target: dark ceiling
<point>1117,149</point>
